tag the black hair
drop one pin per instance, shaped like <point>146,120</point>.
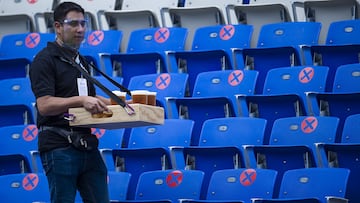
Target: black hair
<point>64,8</point>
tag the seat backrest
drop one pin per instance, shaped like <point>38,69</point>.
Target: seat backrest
<point>20,16</point>
<point>223,37</point>
<point>101,41</point>
<point>241,184</point>
<point>17,102</point>
<point>109,138</point>
<point>16,91</point>
<point>232,131</point>
<point>169,184</point>
<point>289,34</point>
<point>296,80</point>
<point>304,130</point>
<point>225,83</point>
<point>24,45</point>
<point>350,129</point>
<point>258,14</point>
<point>32,187</point>
<point>347,79</point>
<point>118,192</point>
<point>157,40</point>
<point>165,84</point>
<point>314,182</point>
<point>343,32</point>
<point>174,132</point>
<point>325,12</point>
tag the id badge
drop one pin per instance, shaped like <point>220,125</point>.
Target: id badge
<point>82,87</point>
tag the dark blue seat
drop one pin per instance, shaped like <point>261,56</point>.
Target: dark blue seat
<point>220,145</point>
<point>343,99</point>
<point>99,42</point>
<point>343,155</point>
<point>19,139</point>
<point>17,104</point>
<point>18,50</point>
<point>164,84</point>
<point>148,149</point>
<point>311,184</point>
<point>147,52</point>
<point>279,45</point>
<point>213,97</point>
<point>342,47</point>
<point>30,187</point>
<point>284,93</point>
<point>212,49</point>
<point>170,185</point>
<point>292,144</point>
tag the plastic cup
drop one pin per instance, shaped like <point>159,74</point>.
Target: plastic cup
<point>151,98</point>
<point>121,95</point>
<point>139,96</point>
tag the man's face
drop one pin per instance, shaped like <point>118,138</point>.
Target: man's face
<point>72,30</point>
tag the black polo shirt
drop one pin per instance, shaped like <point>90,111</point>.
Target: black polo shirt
<point>52,76</point>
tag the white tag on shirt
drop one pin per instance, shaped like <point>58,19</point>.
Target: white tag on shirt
<point>82,87</point>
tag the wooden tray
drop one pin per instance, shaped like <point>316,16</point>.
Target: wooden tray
<point>144,115</point>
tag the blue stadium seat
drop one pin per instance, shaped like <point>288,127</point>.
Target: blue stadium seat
<point>118,184</point>
<point>342,100</point>
<point>17,102</point>
<point>18,50</point>
<point>212,97</point>
<point>19,139</point>
<point>14,164</point>
<point>318,183</point>
<point>343,155</point>
<point>347,79</point>
<point>99,42</point>
<point>147,52</point>
<point>212,49</point>
<point>164,84</point>
<point>341,48</point>
<point>239,185</point>
<point>220,146</point>
<point>170,185</point>
<point>148,148</point>
<point>279,45</point>
<point>292,144</point>
<point>298,186</point>
<point>349,133</point>
<point>284,93</point>
<point>25,187</point>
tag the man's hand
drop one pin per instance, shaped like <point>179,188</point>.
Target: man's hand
<point>94,105</point>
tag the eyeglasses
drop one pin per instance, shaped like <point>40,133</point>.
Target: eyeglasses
<point>75,23</point>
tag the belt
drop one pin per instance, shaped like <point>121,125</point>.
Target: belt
<point>64,132</point>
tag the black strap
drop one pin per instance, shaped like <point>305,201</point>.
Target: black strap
<point>122,88</point>
<point>96,82</point>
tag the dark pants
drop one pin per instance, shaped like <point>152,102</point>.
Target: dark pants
<point>68,170</point>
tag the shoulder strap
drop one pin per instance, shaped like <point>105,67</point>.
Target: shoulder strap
<point>128,108</point>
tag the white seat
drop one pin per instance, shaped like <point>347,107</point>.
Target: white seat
<point>20,16</point>
<point>135,15</point>
<point>325,11</point>
<point>197,13</point>
<point>257,15</point>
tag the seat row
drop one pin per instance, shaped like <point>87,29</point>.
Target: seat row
<point>288,91</point>
<point>225,143</point>
<point>171,186</point>
<point>127,15</point>
<point>162,50</point>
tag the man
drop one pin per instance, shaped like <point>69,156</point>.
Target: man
<point>69,155</point>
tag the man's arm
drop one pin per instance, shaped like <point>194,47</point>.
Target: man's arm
<point>50,106</point>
